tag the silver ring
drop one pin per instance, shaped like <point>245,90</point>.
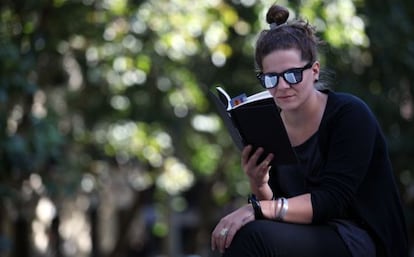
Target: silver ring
<point>224,232</point>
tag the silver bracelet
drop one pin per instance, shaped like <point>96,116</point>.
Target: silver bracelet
<point>284,206</point>
<point>279,207</point>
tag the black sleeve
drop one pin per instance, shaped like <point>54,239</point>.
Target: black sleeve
<point>349,148</point>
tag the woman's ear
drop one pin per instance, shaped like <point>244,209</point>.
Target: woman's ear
<point>315,71</point>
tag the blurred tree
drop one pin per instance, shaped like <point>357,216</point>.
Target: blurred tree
<point>389,85</point>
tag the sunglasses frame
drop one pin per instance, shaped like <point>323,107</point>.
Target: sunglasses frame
<point>262,75</point>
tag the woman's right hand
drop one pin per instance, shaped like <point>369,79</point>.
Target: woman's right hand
<point>228,226</point>
<point>258,174</point>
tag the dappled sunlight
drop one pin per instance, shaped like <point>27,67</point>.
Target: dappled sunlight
<point>127,139</point>
<point>45,212</point>
<point>151,153</point>
<point>38,108</point>
<point>139,180</point>
<point>75,231</point>
<point>406,101</point>
<point>341,24</point>
<point>163,140</point>
<point>406,109</point>
<point>40,238</point>
<point>119,102</point>
<point>36,183</point>
<point>73,69</point>
<point>179,101</point>
<point>218,59</point>
<point>88,183</point>
<point>242,27</point>
<point>74,226</point>
<point>121,133</point>
<point>126,75</point>
<point>116,6</point>
<point>115,29</point>
<point>175,177</point>
<point>215,34</point>
<point>134,77</point>
<point>206,123</point>
<point>164,83</point>
<point>343,13</point>
<point>185,22</point>
<point>121,63</point>
<point>14,119</point>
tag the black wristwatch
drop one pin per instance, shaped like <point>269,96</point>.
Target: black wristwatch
<point>258,214</point>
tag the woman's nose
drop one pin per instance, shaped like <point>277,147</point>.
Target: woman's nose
<point>282,83</point>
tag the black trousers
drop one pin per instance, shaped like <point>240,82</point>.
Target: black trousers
<point>265,238</point>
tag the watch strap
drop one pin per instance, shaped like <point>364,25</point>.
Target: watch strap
<point>258,214</point>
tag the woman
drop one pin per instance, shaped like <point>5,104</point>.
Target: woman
<point>341,200</point>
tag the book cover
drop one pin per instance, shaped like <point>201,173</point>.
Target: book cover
<point>255,120</point>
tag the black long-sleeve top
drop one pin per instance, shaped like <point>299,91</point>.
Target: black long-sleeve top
<point>350,176</point>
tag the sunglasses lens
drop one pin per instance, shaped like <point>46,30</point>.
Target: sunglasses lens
<point>293,77</point>
<point>269,81</point>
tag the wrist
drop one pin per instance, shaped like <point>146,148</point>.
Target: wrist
<point>258,214</point>
<point>259,185</point>
<point>262,191</point>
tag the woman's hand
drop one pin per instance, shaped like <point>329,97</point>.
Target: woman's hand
<point>225,230</point>
<point>258,174</point>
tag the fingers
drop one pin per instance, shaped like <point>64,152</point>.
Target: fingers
<point>249,159</point>
<point>245,154</point>
<point>229,238</point>
<point>265,163</point>
<point>222,237</point>
<point>256,155</point>
<point>216,236</point>
<point>228,226</point>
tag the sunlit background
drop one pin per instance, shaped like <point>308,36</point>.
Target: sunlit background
<point>109,143</point>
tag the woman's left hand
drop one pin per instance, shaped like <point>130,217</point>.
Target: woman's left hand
<point>258,174</point>
<point>225,230</point>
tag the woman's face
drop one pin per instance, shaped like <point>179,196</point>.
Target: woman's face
<point>290,97</point>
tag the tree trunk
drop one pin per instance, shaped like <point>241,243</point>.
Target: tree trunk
<point>21,243</point>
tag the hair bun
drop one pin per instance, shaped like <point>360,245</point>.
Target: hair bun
<point>277,14</point>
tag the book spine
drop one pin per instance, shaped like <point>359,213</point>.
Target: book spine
<point>236,124</point>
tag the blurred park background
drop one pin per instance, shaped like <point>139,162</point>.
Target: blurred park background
<point>109,145</point>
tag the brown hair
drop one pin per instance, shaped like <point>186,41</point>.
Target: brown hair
<point>282,35</point>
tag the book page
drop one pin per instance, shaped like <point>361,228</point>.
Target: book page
<point>256,97</point>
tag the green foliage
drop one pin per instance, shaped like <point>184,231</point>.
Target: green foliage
<point>29,141</point>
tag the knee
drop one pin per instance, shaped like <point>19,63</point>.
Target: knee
<point>252,229</point>
<point>250,240</point>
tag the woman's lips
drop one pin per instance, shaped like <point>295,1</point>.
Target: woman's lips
<point>284,97</point>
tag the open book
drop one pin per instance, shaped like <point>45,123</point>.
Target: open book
<point>255,120</point>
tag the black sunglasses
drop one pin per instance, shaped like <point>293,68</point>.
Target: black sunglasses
<point>291,76</point>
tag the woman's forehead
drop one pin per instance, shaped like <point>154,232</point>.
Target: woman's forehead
<point>280,60</point>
